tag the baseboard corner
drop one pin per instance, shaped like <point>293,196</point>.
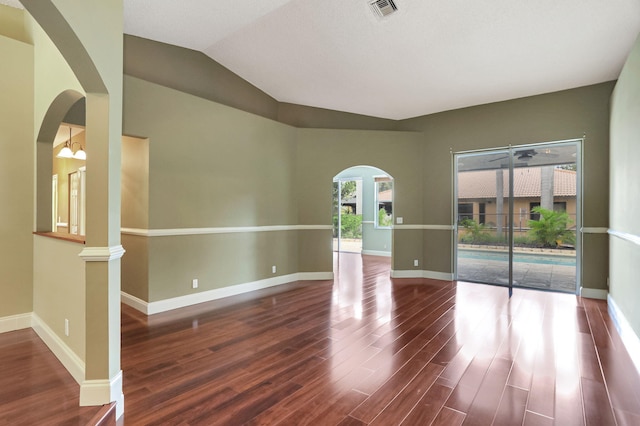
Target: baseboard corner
<point>16,322</point>
<point>134,302</point>
<point>593,293</point>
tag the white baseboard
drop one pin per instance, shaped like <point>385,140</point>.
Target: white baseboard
<point>134,302</point>
<point>15,322</point>
<point>72,362</point>
<point>377,253</point>
<point>593,293</point>
<point>313,276</point>
<point>100,392</point>
<point>151,308</point>
<point>434,275</point>
<point>406,274</point>
<point>628,336</point>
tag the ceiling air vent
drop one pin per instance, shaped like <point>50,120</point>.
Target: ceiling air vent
<point>383,8</point>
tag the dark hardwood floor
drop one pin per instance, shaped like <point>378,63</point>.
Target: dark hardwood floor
<point>35,389</point>
<point>366,349</point>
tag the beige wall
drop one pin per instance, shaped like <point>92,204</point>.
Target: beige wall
<point>135,215</point>
<point>58,281</point>
<point>135,183</point>
<point>625,190</point>
<point>59,290</point>
<point>16,167</point>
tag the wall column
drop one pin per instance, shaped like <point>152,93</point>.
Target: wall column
<point>89,35</point>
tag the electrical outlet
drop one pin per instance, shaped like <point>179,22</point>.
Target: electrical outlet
<point>399,220</point>
<point>66,327</point>
<point>273,269</point>
<point>415,262</point>
<point>194,283</point>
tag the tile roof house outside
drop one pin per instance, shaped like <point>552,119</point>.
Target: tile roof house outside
<point>526,180</point>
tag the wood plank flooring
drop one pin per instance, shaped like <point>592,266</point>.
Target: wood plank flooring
<point>367,350</point>
<point>35,389</point>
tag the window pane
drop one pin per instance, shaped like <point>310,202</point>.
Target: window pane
<point>384,202</point>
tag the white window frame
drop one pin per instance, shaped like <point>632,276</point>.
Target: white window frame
<point>376,181</point>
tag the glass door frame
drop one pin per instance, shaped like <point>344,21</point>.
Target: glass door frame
<point>455,155</point>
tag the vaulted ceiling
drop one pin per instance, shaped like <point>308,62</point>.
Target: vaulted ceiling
<point>428,56</point>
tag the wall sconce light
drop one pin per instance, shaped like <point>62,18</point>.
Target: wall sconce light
<point>67,152</point>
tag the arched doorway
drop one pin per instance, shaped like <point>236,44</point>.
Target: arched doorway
<point>363,211</point>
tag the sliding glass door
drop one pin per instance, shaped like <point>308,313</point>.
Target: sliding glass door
<point>517,211</point>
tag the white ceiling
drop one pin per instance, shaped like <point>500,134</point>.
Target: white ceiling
<point>430,56</point>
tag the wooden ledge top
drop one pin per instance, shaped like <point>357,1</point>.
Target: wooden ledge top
<point>62,236</point>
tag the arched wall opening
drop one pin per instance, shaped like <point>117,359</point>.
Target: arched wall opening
<point>362,214</point>
<point>54,116</point>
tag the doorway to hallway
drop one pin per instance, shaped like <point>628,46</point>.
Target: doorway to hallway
<point>362,213</point>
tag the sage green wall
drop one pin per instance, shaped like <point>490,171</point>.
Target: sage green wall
<point>625,190</point>
<point>420,151</point>
<point>556,116</point>
<point>212,166</point>
<point>323,153</point>
<point>217,260</point>
<point>195,73</point>
<point>320,118</point>
<point>16,172</point>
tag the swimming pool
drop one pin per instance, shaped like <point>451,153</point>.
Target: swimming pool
<point>539,258</point>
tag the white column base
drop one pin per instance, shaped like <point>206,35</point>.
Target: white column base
<point>101,392</point>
